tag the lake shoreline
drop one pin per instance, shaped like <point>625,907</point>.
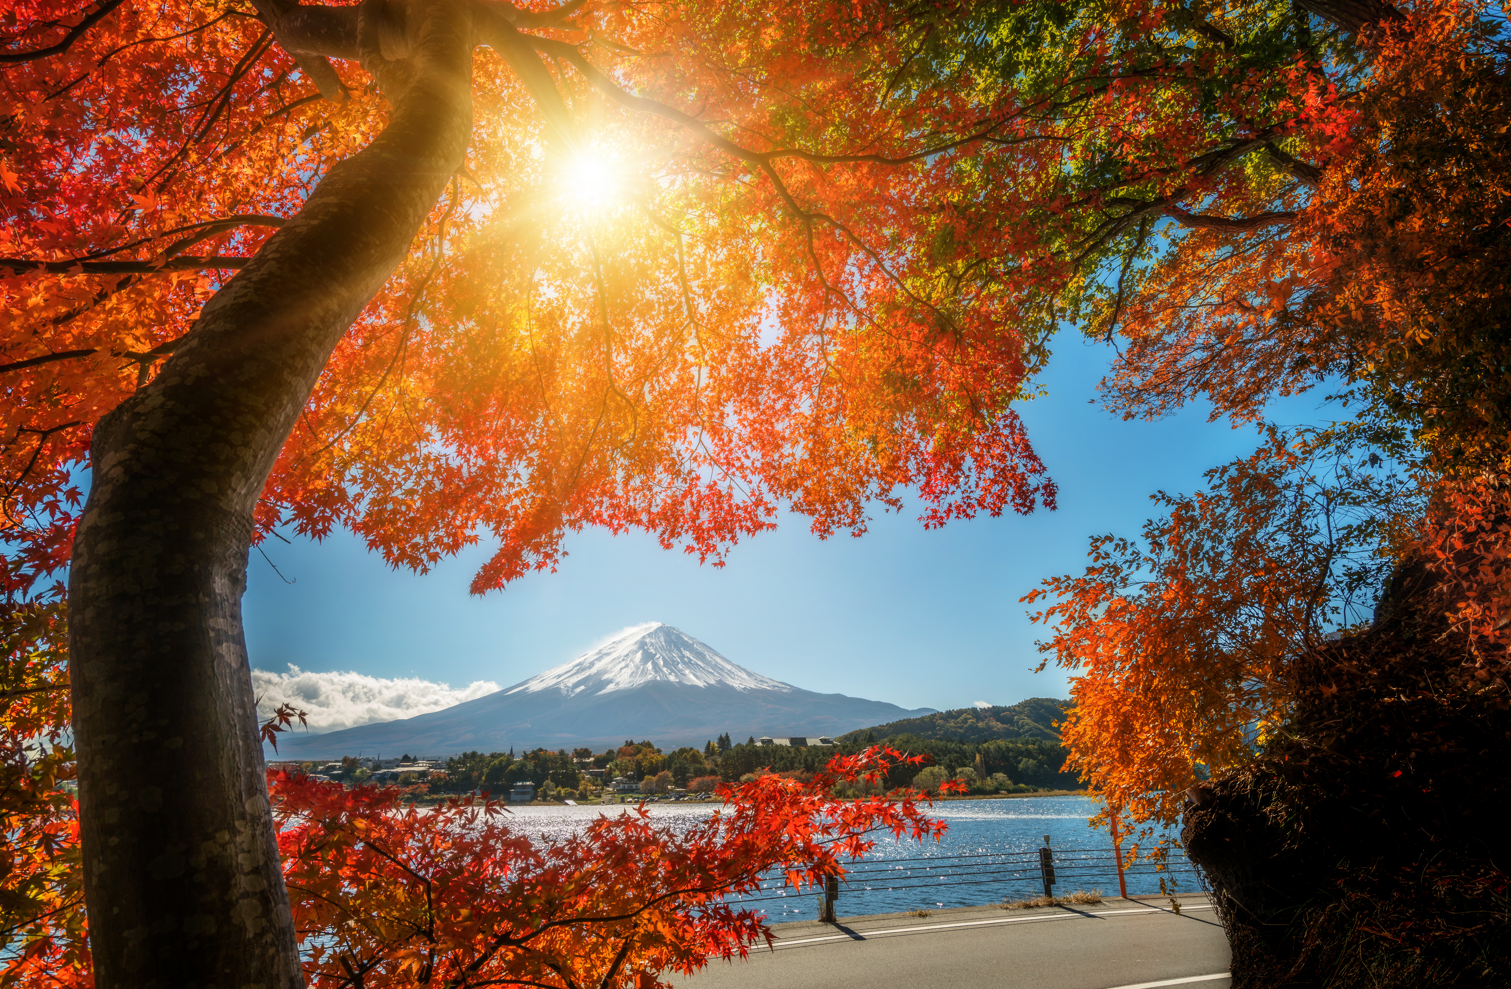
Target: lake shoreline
<point>442,798</point>
<point>989,853</point>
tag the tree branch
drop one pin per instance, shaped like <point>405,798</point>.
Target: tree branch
<point>497,30</point>
<point>1206,164</point>
<point>69,904</point>
<point>1195,21</point>
<point>761,160</point>
<point>61,90</point>
<point>206,228</point>
<point>104,293</point>
<point>1214,34</point>
<point>641,104</point>
<point>1203,221</point>
<point>296,29</point>
<point>1352,15</point>
<point>330,32</point>
<point>536,20</point>
<point>217,105</point>
<point>77,266</point>
<point>1294,167</point>
<point>605,85</point>
<point>74,34</point>
<point>142,357</point>
<point>42,437</point>
<point>619,957</point>
<point>27,691</point>
<point>66,355</point>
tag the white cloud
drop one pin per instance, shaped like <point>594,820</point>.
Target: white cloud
<point>343,700</point>
<point>981,704</point>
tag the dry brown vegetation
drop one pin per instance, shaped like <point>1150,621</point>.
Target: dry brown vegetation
<point>1080,897</point>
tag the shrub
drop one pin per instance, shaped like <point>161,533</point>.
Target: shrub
<point>703,784</point>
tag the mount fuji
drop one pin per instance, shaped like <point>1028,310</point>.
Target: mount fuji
<point>651,681</point>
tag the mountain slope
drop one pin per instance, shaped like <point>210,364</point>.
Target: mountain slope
<point>1034,718</point>
<point>652,681</point>
<point>644,654</point>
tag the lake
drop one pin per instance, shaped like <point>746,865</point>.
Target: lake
<point>989,853</point>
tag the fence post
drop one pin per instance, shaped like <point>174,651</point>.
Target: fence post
<point>826,903</point>
<point>1117,851</point>
<point>1047,867</point>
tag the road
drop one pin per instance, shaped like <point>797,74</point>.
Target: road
<point>1119,943</point>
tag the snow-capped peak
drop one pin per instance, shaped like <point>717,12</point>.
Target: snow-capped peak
<point>642,654</point>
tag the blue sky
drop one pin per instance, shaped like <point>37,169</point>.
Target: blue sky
<point>918,618</point>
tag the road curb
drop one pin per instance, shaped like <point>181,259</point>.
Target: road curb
<point>800,932</point>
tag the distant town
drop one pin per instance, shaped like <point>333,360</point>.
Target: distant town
<point>642,770</point>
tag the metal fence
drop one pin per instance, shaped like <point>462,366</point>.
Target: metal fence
<point>884,885</point>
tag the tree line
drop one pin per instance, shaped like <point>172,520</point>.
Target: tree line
<point>1026,764</point>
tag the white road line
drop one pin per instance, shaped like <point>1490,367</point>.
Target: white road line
<point>1041,918</point>
<point>1178,982</point>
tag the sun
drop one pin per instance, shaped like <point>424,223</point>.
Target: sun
<point>592,181</point>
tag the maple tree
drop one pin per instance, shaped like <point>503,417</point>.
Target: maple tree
<point>454,897</point>
<point>436,270</point>
<point>1353,753</point>
<point>1183,640</point>
<point>1385,279</point>
<point>432,336</point>
<point>384,893</point>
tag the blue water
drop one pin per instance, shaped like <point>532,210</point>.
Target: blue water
<point>988,854</point>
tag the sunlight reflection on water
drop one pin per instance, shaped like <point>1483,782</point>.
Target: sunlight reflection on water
<point>970,873</point>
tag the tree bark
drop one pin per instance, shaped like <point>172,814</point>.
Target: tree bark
<point>181,872</point>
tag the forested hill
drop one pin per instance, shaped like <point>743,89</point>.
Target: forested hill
<point>1035,718</point>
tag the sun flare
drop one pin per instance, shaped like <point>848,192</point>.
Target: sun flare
<point>592,181</point>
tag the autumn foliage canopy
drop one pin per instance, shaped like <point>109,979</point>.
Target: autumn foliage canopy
<point>455,897</point>
<point>700,261</point>
<point>1380,276</point>
<point>615,315</point>
<point>386,893</point>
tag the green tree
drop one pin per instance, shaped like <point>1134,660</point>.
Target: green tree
<point>680,769</point>
<point>930,778</point>
<point>498,772</point>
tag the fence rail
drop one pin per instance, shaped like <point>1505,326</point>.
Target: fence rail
<point>1014,873</point>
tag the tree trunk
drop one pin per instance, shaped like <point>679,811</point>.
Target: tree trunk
<point>1363,849</point>
<point>181,872</point>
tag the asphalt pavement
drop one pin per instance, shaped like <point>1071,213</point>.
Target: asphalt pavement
<point>1117,944</point>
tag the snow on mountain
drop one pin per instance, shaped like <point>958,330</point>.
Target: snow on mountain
<point>651,681</point>
<point>643,654</point>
